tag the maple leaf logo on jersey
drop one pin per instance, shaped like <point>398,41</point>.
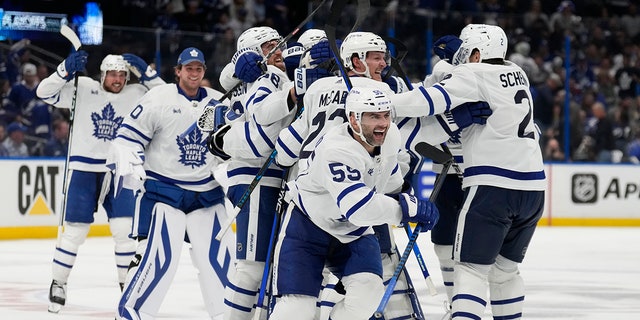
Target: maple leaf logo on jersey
<point>106,125</point>
<point>193,149</point>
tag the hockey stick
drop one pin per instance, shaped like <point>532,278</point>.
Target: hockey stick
<point>422,264</point>
<point>205,121</point>
<point>266,274</point>
<point>336,9</point>
<point>435,154</point>
<point>68,33</point>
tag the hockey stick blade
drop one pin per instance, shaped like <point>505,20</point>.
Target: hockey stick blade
<point>68,33</point>
<point>433,153</point>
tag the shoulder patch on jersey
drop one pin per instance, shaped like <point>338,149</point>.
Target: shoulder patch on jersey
<point>106,124</point>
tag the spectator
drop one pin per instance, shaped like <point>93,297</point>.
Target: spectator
<point>3,134</point>
<point>29,108</point>
<point>552,151</point>
<point>543,101</point>
<point>58,145</point>
<point>15,142</point>
<point>600,129</point>
<point>633,149</point>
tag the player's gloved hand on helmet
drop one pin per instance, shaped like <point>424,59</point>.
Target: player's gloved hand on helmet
<point>139,67</point>
<point>446,46</point>
<point>304,77</point>
<point>292,56</point>
<point>75,62</point>
<point>464,115</point>
<point>321,52</point>
<point>215,142</point>
<point>248,65</point>
<point>422,212</point>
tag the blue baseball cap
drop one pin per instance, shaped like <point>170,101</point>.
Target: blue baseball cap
<point>191,54</point>
<point>16,126</point>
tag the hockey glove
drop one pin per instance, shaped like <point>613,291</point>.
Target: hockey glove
<point>422,212</point>
<point>75,62</point>
<point>321,52</point>
<point>292,55</point>
<point>140,68</point>
<point>126,165</point>
<point>305,77</point>
<point>446,46</point>
<point>463,116</point>
<point>248,65</point>
<point>215,141</point>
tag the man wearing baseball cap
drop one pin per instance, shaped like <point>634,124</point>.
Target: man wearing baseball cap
<point>182,198</point>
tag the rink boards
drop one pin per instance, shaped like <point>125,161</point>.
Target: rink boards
<point>577,195</point>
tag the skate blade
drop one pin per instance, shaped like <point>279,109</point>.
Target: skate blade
<point>54,307</point>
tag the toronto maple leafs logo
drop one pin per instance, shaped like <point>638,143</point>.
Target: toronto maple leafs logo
<point>193,149</point>
<point>106,125</point>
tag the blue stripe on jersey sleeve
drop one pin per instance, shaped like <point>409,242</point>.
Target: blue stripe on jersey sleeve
<point>131,140</point>
<point>263,134</point>
<point>247,137</point>
<point>447,99</point>
<point>255,98</point>
<point>359,205</point>
<point>295,134</point>
<point>286,149</point>
<point>516,175</point>
<point>403,122</point>
<point>429,100</point>
<point>413,134</point>
<point>134,130</point>
<point>347,190</point>
<point>395,169</point>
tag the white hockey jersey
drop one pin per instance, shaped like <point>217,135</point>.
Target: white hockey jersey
<point>163,124</point>
<point>341,187</point>
<point>505,152</point>
<point>97,117</point>
<point>251,142</point>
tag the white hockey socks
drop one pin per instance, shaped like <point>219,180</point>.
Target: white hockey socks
<point>470,291</point>
<point>364,292</point>
<point>444,254</point>
<point>65,255</point>
<point>294,306</point>
<point>125,247</point>
<point>328,296</point>
<point>506,289</point>
<point>241,293</point>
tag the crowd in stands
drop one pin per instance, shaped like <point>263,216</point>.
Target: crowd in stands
<point>604,60</point>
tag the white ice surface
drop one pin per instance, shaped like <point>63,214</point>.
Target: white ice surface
<point>569,273</point>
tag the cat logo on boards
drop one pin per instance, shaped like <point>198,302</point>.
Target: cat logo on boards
<point>37,189</point>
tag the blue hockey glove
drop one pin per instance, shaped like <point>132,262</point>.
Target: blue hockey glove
<point>422,212</point>
<point>248,66</point>
<point>75,62</point>
<point>446,46</point>
<point>215,142</point>
<point>321,52</point>
<point>463,116</point>
<point>305,77</point>
<point>219,114</point>
<point>395,83</point>
<point>139,67</point>
<point>292,55</point>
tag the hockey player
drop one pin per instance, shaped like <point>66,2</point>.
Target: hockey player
<point>504,179</point>
<point>100,109</point>
<point>270,105</point>
<point>363,54</point>
<point>159,146</point>
<point>337,197</point>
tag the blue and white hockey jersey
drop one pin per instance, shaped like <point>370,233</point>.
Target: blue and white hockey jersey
<point>98,115</point>
<point>341,187</point>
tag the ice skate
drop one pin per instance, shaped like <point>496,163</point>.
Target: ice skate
<point>57,296</point>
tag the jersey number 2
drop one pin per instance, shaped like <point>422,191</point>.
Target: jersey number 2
<point>522,95</point>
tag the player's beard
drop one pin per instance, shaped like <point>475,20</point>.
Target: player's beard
<point>375,139</point>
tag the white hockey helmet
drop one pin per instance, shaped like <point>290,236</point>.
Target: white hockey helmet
<point>360,43</point>
<point>112,62</point>
<point>365,99</point>
<point>490,40</point>
<point>253,38</point>
<point>311,37</point>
